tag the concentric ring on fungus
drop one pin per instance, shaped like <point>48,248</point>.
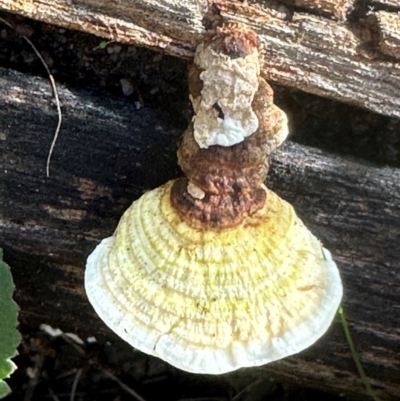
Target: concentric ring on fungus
<point>214,272</point>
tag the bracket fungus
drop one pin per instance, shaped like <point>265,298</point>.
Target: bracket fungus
<point>213,272</point>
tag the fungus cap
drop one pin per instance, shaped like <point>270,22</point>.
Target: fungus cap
<point>210,301</point>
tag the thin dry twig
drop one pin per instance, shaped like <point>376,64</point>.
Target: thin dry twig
<point>247,388</point>
<point>75,384</point>
<point>66,374</point>
<point>82,351</point>
<point>204,399</point>
<point>54,87</point>
<point>73,343</point>
<point>53,394</point>
<point>123,385</point>
<point>34,379</point>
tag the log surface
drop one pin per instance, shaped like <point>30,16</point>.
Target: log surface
<point>338,9</point>
<point>108,153</point>
<point>389,33</point>
<point>343,53</point>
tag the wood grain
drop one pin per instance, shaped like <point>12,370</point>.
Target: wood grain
<point>384,3</point>
<point>108,153</point>
<point>338,9</point>
<point>337,59</point>
<point>389,33</point>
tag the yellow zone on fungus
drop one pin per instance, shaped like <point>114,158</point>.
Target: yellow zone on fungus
<point>251,283</point>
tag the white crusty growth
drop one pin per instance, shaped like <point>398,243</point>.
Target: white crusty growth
<point>229,86</point>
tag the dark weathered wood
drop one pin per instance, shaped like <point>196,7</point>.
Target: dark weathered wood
<point>389,32</point>
<point>108,153</point>
<point>338,9</point>
<point>335,59</point>
<point>383,3</point>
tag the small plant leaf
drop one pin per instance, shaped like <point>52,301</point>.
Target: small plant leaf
<point>9,335</point>
<point>102,45</point>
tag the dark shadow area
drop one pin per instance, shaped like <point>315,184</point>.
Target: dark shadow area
<point>340,128</point>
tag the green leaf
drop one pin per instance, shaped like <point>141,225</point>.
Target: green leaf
<point>9,335</point>
<point>103,45</point>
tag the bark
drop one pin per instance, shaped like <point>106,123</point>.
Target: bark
<point>108,153</point>
<point>389,33</point>
<point>340,57</point>
<point>337,9</point>
<point>382,3</point>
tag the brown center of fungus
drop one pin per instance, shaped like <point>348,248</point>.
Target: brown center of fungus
<point>224,151</point>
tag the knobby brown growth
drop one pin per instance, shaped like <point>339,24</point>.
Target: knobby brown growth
<point>229,178</point>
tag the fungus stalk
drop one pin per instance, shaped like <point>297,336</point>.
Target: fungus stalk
<point>224,152</point>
